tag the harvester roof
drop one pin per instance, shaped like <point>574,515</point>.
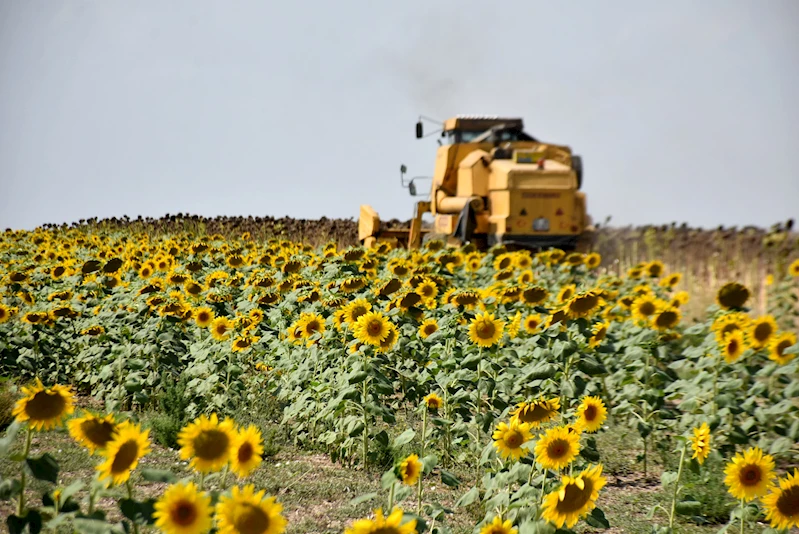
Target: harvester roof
<point>480,123</point>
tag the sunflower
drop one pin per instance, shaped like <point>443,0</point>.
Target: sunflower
<point>203,317</point>
<point>732,295</point>
<point>599,332</point>
<point>534,294</point>
<point>122,454</point>
<point>666,318</point>
<point>310,324</point>
<point>5,313</point>
<point>730,322</point>
<point>92,431</point>
<point>44,408</point>
<point>465,298</point>
<point>372,328</point>
<point>749,474</point>
<point>733,346</point>
<point>383,525</point>
<point>498,526</point>
<point>782,503</point>
<point>593,260</point>
<point>355,309</point>
<point>509,438</point>
<point>778,346</point>
<point>700,443</point>
<point>220,328</point>
<point>583,304</point>
<point>761,331</point>
<point>526,277</point>
<point>670,281</point>
<point>207,442</point>
<point>575,497</point>
<point>183,509</point>
<point>566,293</point>
<point>390,340</point>
<point>248,512</point>
<point>793,269</point>
<point>680,298</point>
<point>557,448</point>
<point>654,269</point>
<point>409,470</point>
<point>247,451</point>
<point>645,306</point>
<point>428,328</point>
<point>427,290</point>
<point>591,414</point>
<point>532,323</point>
<point>244,342</point>
<point>537,412</point>
<point>484,330</point>
<point>433,401</point>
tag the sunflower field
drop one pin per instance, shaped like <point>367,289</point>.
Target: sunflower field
<point>473,389</point>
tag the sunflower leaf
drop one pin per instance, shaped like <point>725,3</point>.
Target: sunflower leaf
<point>597,519</point>
<point>8,440</point>
<point>469,497</point>
<point>449,479</point>
<point>363,498</point>
<point>158,475</point>
<point>45,467</point>
<point>404,438</point>
<point>138,512</point>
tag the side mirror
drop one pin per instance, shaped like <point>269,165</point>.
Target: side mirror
<point>412,188</point>
<point>419,130</point>
<point>403,169</point>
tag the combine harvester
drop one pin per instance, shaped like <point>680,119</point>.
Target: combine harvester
<point>493,184</point>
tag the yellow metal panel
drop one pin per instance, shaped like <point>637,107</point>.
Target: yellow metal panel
<point>445,224</point>
<point>499,202</point>
<point>473,175</point>
<point>368,222</point>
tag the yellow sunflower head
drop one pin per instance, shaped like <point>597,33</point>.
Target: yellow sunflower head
<point>591,414</point>
<point>733,346</point>
<point>122,454</point>
<point>498,526</point>
<point>220,328</point>
<point>372,328</point>
<point>485,330</point>
<point>383,525</point>
<point>203,317</point>
<point>509,439</point>
<point>44,408</point>
<point>391,339</point>
<point>428,328</point>
<point>666,318</point>
<point>566,293</point>
<point>599,332</point>
<point>537,412</point>
<point>593,260</point>
<point>584,304</point>
<point>246,451</point>
<point>534,295</point>
<point>183,509</point>
<point>575,497</point>
<point>793,269</point>
<point>749,474</point>
<point>779,346</point>
<point>558,447</point>
<point>207,443</point>
<point>700,442</point>
<point>409,470</point>
<point>433,402</point>
<point>246,510</point>
<point>782,502</point>
<point>355,309</point>
<point>761,331</point>
<point>92,431</point>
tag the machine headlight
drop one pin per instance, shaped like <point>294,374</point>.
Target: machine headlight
<point>541,224</point>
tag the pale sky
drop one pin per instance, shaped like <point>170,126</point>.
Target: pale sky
<point>683,111</point>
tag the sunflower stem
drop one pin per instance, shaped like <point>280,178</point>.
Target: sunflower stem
<point>743,515</point>
<point>365,441</point>
<point>224,477</point>
<point>23,476</point>
<point>543,484</point>
<point>391,497</point>
<point>202,481</point>
<point>130,496</point>
<point>419,482</point>
<point>714,406</point>
<point>676,488</point>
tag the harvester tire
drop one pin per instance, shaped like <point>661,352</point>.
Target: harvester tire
<point>577,166</point>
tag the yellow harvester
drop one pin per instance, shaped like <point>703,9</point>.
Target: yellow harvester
<point>494,183</point>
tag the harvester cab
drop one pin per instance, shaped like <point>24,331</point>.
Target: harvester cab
<point>494,183</point>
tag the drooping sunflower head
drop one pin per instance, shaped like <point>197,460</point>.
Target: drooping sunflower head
<point>44,408</point>
<point>700,443</point>
<point>666,318</point>
<point>782,503</point>
<point>575,497</point>
<point>537,412</point>
<point>566,293</point>
<point>732,295</point>
<point>591,414</point>
<point>246,451</point>
<point>599,332</point>
<point>122,454</point>
<point>248,511</point>
<point>534,295</point>
<point>749,474</point>
<point>485,330</point>
<point>558,447</point>
<point>509,438</point>
<point>183,509</point>
<point>207,443</point>
<point>584,304</point>
<point>92,431</point>
<point>779,345</point>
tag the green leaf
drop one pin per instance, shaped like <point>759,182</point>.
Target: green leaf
<point>429,462</point>
<point>591,366</point>
<point>404,438</point>
<point>597,519</point>
<point>45,467</point>
<point>469,497</point>
<point>138,512</point>
<point>364,498</point>
<point>158,475</point>
<point>688,507</point>
<point>668,478</point>
<point>449,479</point>
<point>8,439</point>
<point>9,489</point>
<point>359,377</point>
<point>382,438</point>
